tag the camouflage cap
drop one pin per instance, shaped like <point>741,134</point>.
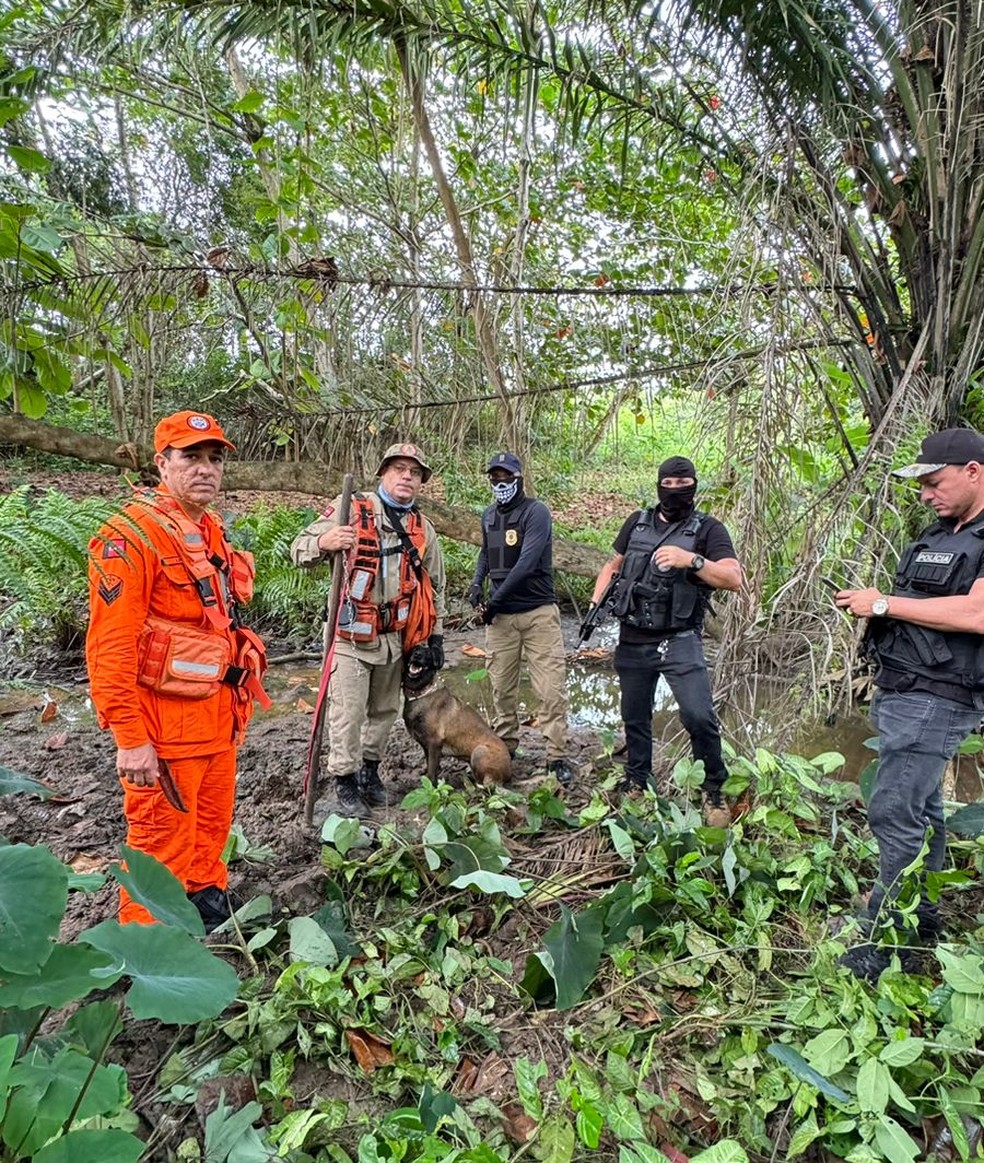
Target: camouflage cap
<point>410,452</point>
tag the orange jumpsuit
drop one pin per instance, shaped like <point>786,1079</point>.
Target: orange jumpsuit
<point>138,570</point>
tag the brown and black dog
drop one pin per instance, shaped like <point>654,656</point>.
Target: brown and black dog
<point>439,721</point>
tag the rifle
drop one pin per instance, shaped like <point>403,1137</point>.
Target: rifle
<point>597,611</point>
<point>313,771</point>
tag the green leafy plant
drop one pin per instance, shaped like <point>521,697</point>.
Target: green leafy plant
<point>59,1100</point>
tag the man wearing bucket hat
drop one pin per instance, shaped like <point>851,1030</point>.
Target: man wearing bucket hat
<point>521,611</point>
<point>925,640</point>
<point>173,671</point>
<point>395,587</point>
<point>669,559</point>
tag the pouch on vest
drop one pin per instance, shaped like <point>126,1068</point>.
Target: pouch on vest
<point>932,571</point>
<point>242,571</point>
<point>181,661</point>
<point>352,627</point>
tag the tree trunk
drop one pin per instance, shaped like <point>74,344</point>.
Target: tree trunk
<point>270,476</point>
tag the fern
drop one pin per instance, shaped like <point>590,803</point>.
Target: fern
<point>43,546</point>
<point>287,601</point>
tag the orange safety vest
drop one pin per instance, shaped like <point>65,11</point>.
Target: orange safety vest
<point>188,661</point>
<point>412,612</point>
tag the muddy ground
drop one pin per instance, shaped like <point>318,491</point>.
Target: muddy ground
<point>48,732</point>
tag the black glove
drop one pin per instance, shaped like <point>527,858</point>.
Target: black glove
<point>475,597</point>
<point>489,613</point>
<point>436,644</point>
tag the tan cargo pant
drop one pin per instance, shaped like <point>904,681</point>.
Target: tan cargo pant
<point>364,699</point>
<point>535,634</point>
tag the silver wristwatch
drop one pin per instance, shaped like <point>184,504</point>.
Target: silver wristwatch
<point>879,607</point>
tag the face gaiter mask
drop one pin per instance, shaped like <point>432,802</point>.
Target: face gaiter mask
<point>677,504</point>
<point>504,491</point>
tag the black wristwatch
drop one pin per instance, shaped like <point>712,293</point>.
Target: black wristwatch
<point>697,564</point>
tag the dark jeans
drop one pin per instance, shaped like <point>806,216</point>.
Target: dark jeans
<point>918,733</point>
<point>680,660</point>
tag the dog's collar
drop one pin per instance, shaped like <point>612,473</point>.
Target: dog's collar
<point>435,685</point>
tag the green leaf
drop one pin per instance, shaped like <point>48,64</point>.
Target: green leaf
<point>174,978</point>
<point>155,886</point>
<point>230,1137</point>
<point>32,161</point>
<point>964,972</point>
<point>528,1075</point>
<point>12,782</point>
<point>902,1051</point>
<point>956,1124</point>
<point>89,1146</point>
<point>621,840</point>
<point>249,102</point>
<point>829,761</point>
<point>803,1136</point>
<point>872,1086</point>
<point>724,1151</point>
<point>894,1143</point>
<point>967,821</point>
<point>797,1064</point>
<point>538,980</point>
<point>589,1124</point>
<point>624,1120</point>
<point>331,917</point>
<point>47,239</point>
<point>46,1091</point>
<point>8,1050</point>
<point>555,1143</point>
<point>309,942</point>
<point>490,882</point>
<point>33,895</point>
<point>66,976</point>
<point>574,945</point>
<point>829,1052</point>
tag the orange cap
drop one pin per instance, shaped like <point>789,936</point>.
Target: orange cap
<point>186,428</point>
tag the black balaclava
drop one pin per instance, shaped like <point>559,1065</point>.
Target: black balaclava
<point>677,504</point>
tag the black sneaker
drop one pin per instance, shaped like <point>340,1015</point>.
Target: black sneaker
<point>631,785</point>
<point>213,906</point>
<point>370,785</point>
<point>562,770</point>
<point>350,802</point>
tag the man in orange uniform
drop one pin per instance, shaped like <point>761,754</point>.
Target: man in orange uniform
<point>173,672</point>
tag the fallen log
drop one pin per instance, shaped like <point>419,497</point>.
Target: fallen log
<point>270,476</point>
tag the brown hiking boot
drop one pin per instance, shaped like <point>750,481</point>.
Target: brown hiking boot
<point>715,810</point>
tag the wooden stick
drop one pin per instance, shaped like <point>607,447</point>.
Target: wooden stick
<point>313,779</point>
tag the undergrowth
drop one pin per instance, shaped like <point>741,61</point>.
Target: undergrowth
<point>500,977</point>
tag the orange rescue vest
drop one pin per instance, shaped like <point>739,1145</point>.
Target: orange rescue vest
<point>191,661</point>
<point>411,613</point>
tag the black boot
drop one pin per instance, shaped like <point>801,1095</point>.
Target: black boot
<point>561,770</point>
<point>350,802</point>
<point>370,785</point>
<point>213,906</point>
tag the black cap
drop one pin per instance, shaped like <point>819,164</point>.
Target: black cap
<point>508,461</point>
<point>951,446</point>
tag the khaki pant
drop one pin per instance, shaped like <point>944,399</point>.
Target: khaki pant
<point>536,635</point>
<point>364,699</point>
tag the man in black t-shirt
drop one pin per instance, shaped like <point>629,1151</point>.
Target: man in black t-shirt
<point>669,559</point>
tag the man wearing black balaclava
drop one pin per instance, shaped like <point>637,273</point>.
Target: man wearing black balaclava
<point>521,612</point>
<point>669,559</point>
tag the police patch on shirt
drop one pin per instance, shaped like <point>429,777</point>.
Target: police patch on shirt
<point>512,537</point>
<point>109,591</point>
<point>929,558</point>
<point>327,511</point>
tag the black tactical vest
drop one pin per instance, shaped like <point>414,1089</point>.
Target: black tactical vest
<point>651,599</point>
<point>940,563</point>
<point>504,536</point>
